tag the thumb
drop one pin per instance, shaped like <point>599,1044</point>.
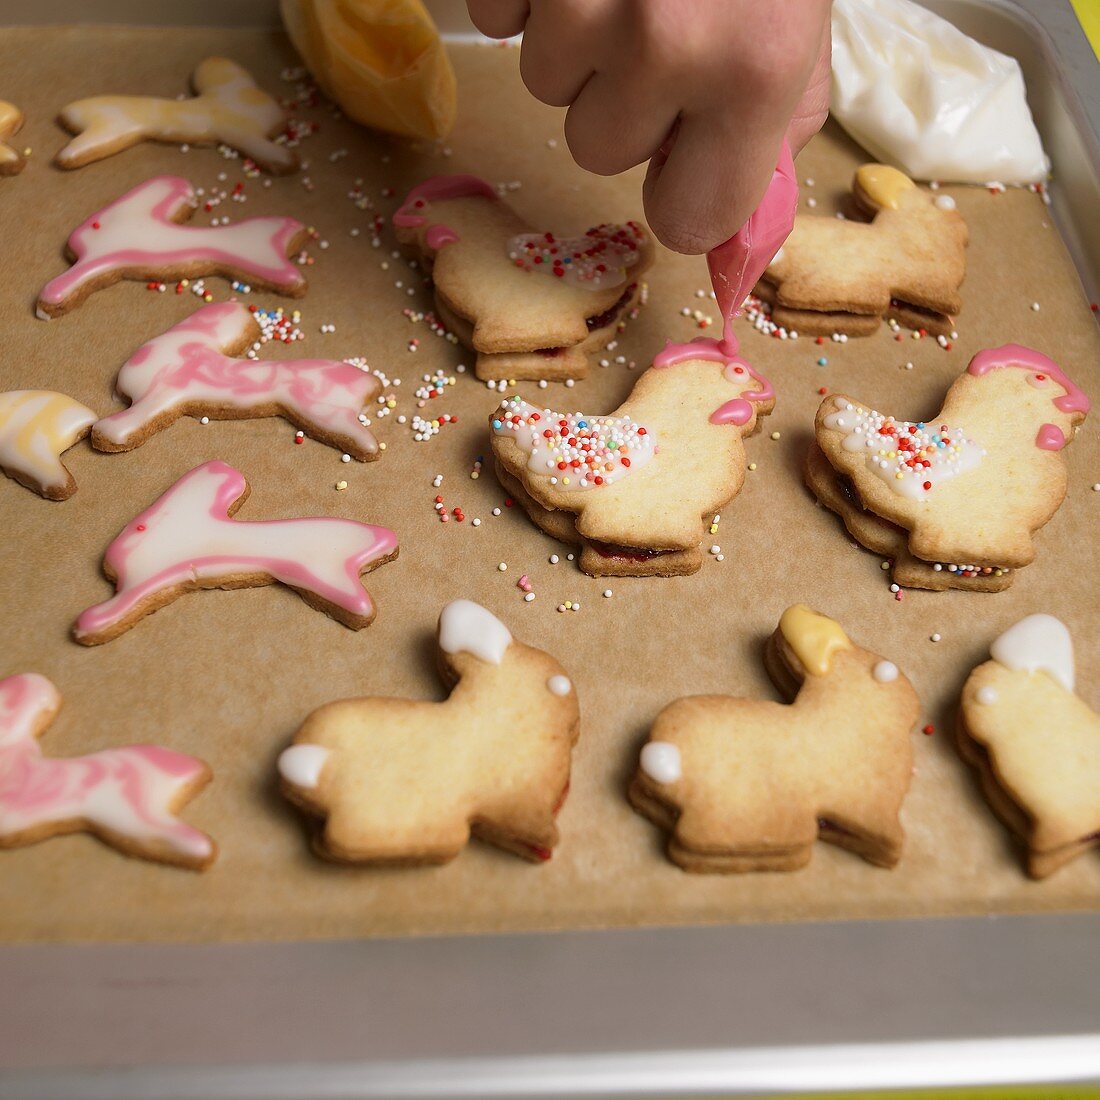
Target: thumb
<point>707,179</point>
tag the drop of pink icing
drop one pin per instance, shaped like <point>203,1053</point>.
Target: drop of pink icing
<point>1050,438</point>
<point>738,411</point>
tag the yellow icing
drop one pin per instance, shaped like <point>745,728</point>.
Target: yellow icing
<point>11,119</point>
<point>229,108</point>
<point>883,185</point>
<point>36,427</point>
<point>382,60</point>
<point>813,637</point>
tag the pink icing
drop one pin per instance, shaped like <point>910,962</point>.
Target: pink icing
<point>738,411</point>
<point>439,235</point>
<point>1016,355</point>
<point>736,266</point>
<point>185,368</point>
<point>139,235</point>
<point>1050,438</point>
<point>188,535</point>
<point>126,792</point>
<point>411,214</point>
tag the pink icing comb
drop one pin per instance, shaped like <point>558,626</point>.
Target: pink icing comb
<point>188,540</point>
<point>140,236</point>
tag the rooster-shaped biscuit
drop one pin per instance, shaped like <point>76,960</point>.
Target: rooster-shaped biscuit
<point>750,785</point>
<point>400,781</point>
<point>1035,743</point>
<point>835,275</point>
<point>954,500</point>
<point>634,488</point>
<point>532,305</point>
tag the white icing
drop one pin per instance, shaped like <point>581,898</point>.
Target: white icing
<point>911,458</point>
<point>604,447</point>
<point>302,764</point>
<point>466,627</point>
<point>915,91</point>
<point>1037,643</point>
<point>36,428</point>
<point>660,760</point>
<point>885,672</point>
<point>987,696</point>
<point>559,685</point>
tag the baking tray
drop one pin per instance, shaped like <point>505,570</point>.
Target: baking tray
<point>557,1004</point>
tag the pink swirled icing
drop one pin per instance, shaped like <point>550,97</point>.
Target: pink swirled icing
<point>185,370</point>
<point>187,537</point>
<point>139,236</point>
<point>412,213</point>
<point>128,793</point>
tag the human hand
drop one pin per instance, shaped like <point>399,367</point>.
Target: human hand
<point>705,90</point>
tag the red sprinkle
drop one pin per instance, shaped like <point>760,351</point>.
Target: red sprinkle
<point>928,730</point>
<point>140,527</point>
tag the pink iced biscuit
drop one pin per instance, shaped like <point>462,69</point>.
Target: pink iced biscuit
<point>191,370</point>
<point>139,236</point>
<point>187,540</point>
<point>412,213</point>
<point>129,797</point>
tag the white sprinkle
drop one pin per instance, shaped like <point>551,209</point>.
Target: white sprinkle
<point>607,593</point>
<point>204,420</point>
<point>935,637</point>
<point>477,523</point>
<point>528,597</point>
<point>554,559</point>
<point>496,511</point>
<point>895,588</point>
<point>345,458</point>
<point>1035,306</point>
<point>716,549</point>
<point>503,567</point>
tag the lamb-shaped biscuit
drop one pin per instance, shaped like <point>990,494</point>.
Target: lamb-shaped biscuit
<point>635,488</point>
<point>36,428</point>
<point>835,275</point>
<point>12,161</point>
<point>404,782</point>
<point>129,797</point>
<point>955,499</point>
<point>749,785</point>
<point>228,108</point>
<point>1035,743</point>
<point>532,306</point>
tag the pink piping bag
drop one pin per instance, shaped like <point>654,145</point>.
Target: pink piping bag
<point>736,265</point>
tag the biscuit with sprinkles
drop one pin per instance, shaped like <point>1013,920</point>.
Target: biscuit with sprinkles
<point>1035,743</point>
<point>636,488</point>
<point>955,500</point>
<point>842,275</point>
<point>532,305</point>
<point>397,781</point>
<point>750,784</point>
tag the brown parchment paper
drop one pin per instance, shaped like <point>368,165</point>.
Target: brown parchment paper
<point>229,676</point>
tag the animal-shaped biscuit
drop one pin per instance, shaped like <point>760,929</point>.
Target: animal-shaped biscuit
<point>835,275</point>
<point>406,782</point>
<point>635,488</point>
<point>228,109</point>
<point>139,236</point>
<point>36,428</point>
<point>1035,743</point>
<point>128,797</point>
<point>188,539</point>
<point>12,161</point>
<point>531,305</point>
<point>192,370</point>
<point>954,500</point>
<point>749,785</point>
